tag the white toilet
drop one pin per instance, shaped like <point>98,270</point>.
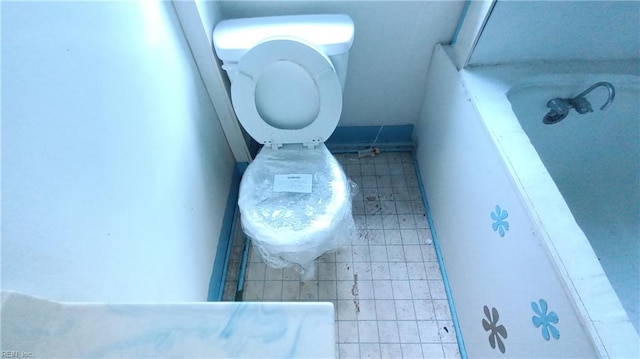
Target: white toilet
<point>287,75</point>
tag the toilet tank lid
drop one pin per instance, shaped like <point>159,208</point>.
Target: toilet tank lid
<point>331,34</point>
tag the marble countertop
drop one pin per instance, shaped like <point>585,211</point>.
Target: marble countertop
<point>38,328</point>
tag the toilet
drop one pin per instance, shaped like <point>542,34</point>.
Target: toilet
<point>287,75</point>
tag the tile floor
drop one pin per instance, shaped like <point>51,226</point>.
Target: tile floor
<point>386,285</point>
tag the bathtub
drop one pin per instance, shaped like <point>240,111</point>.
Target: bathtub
<point>594,160</point>
<point>525,214</point>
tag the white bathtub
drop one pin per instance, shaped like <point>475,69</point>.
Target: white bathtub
<point>594,160</point>
<point>475,156</point>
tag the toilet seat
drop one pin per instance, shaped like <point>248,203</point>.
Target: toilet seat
<point>304,64</point>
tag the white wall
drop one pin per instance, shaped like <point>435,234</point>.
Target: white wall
<point>115,171</point>
<point>560,30</point>
<point>390,55</point>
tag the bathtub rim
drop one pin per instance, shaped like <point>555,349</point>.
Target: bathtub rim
<point>573,258</point>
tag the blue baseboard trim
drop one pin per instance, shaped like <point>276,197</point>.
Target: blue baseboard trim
<point>436,243</point>
<point>346,138</point>
<point>223,252</point>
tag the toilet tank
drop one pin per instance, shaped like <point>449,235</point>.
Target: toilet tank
<point>331,34</point>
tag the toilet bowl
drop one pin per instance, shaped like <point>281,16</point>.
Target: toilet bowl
<point>287,74</point>
<point>293,222</point>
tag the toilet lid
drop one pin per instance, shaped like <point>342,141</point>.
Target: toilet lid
<point>286,91</point>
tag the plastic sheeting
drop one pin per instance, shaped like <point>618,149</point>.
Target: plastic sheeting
<point>295,205</point>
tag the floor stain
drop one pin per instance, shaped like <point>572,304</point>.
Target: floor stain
<point>354,291</point>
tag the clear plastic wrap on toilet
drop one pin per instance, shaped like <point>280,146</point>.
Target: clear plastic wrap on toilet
<point>295,205</point>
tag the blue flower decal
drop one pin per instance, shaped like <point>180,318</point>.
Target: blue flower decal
<point>490,324</point>
<point>545,319</point>
<point>500,225</point>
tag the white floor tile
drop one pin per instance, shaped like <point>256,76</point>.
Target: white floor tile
<point>290,290</point>
<point>390,351</point>
<point>308,290</point>
<point>374,222</point>
<point>416,270</point>
<point>327,290</point>
<point>344,254</point>
<point>256,271</point>
<point>432,351</point>
<point>290,274</point>
<point>437,289</point>
<point>446,331</point>
<point>409,236</point>
<point>365,289</point>
<point>370,350</point>
<point>368,331</point>
<point>366,309</point>
<point>383,289</point>
<point>424,309</point>
<point>398,271</point>
<point>433,271</point>
<point>368,180</point>
<point>396,169</point>
<point>346,289</point>
<point>387,207</point>
<point>405,310</point>
<point>327,271</point>
<point>272,290</point>
<point>349,351</point>
<point>358,207</point>
<point>375,237</point>
<point>428,330</point>
<point>395,253</point>
<point>363,269</point>
<point>441,308</point>
<point>385,309</point>
<point>418,207</point>
<point>348,331</point>
<point>380,270</point>
<point>390,221</point>
<point>408,331</point>
<point>404,207</point>
<point>253,290</point>
<point>392,236</point>
<point>428,253</point>
<point>378,253</point>
<point>420,289</point>
<point>273,273</point>
<point>451,351</point>
<point>344,271</point>
<point>383,181</point>
<point>372,208</point>
<point>411,351</point>
<point>412,253</point>
<point>368,170</point>
<point>406,221</point>
<point>401,289</point>
<point>346,310</point>
<point>388,331</point>
<point>401,194</point>
<point>361,254</point>
<point>385,193</point>
<point>421,221</point>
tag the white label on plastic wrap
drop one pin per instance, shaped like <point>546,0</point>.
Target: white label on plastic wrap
<point>294,182</point>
